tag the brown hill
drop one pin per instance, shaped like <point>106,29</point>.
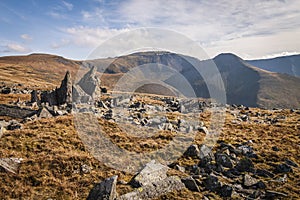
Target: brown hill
<point>36,70</point>
<point>244,83</point>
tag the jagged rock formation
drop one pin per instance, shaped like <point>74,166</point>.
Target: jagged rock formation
<point>90,83</point>
<point>61,95</point>
<point>84,91</point>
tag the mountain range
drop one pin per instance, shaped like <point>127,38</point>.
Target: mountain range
<point>267,83</point>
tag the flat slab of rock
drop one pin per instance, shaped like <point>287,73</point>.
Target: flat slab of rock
<point>152,172</point>
<point>154,190</point>
<point>106,190</point>
<point>249,180</point>
<point>10,164</point>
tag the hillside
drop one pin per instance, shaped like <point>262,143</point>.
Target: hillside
<point>285,64</point>
<point>244,83</point>
<point>36,70</point>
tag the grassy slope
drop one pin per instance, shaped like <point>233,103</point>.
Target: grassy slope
<point>52,151</point>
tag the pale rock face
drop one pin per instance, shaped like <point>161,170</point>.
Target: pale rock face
<point>90,83</point>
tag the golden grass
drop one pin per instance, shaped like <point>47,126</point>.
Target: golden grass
<point>53,152</point>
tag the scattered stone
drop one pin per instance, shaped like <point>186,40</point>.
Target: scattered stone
<point>205,151</point>
<point>225,191</point>
<point>179,168</point>
<point>224,160</point>
<point>192,151</point>
<point>291,163</point>
<point>10,164</point>
<point>203,129</point>
<point>274,148</point>
<point>264,173</point>
<point>105,190</point>
<point>85,169</point>
<point>152,172</point>
<point>249,180</point>
<point>283,168</point>
<point>272,194</point>
<point>44,113</point>
<point>245,165</point>
<point>190,184</point>
<point>212,183</point>
<point>13,124</point>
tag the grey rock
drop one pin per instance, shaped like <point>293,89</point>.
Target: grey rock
<point>61,95</point>
<point>212,183</point>
<point>106,190</point>
<point>203,129</point>
<point>13,124</point>
<point>291,163</point>
<point>10,164</point>
<point>192,151</point>
<point>154,190</point>
<point>90,83</point>
<point>179,168</point>
<point>223,159</point>
<point>264,173</point>
<point>190,184</point>
<point>152,172</point>
<point>245,165</point>
<point>85,169</point>
<point>283,168</point>
<point>249,180</point>
<point>205,151</point>
<point>225,191</point>
<point>44,113</point>
<point>272,194</point>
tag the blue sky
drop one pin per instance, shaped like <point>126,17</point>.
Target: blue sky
<point>250,29</point>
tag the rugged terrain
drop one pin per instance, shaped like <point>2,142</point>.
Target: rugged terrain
<point>44,156</point>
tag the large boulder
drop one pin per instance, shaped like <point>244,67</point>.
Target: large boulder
<point>152,172</point>
<point>90,83</point>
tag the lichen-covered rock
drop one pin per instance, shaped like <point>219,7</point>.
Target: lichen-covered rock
<point>152,172</point>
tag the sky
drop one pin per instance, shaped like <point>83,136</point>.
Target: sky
<point>250,29</point>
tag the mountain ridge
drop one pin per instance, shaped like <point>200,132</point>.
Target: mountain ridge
<point>244,83</point>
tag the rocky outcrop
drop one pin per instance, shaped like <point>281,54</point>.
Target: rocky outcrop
<point>104,190</point>
<point>15,111</point>
<point>61,95</point>
<point>90,83</point>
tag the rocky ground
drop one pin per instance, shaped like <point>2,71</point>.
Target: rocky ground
<point>42,156</point>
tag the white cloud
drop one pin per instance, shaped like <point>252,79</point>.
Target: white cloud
<point>221,21</point>
<point>14,48</point>
<point>91,37</point>
<point>68,5</point>
<point>62,43</point>
<point>26,37</point>
<point>248,28</point>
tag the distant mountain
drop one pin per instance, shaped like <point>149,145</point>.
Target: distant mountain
<point>285,64</point>
<point>244,83</point>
